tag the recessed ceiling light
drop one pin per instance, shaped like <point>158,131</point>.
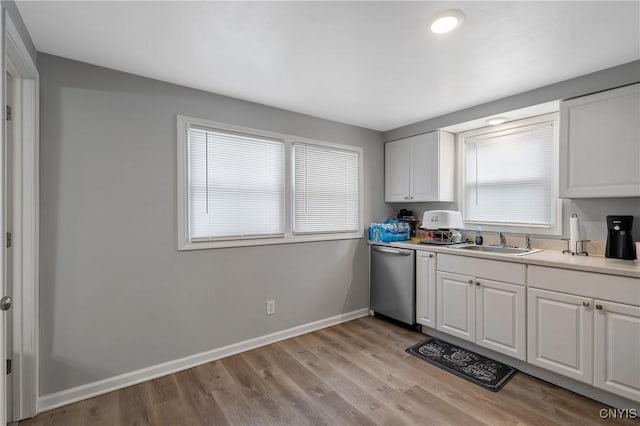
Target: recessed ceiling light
<point>446,21</point>
<point>496,120</point>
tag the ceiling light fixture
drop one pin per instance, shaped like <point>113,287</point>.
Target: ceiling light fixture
<point>446,21</point>
<point>496,120</point>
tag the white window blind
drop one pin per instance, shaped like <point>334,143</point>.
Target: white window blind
<point>509,176</point>
<point>236,185</point>
<point>326,189</point>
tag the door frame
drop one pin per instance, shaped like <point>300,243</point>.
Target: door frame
<point>25,232</point>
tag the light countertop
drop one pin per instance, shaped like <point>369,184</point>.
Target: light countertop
<point>552,258</point>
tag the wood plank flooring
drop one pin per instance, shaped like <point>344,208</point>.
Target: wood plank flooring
<point>355,373</point>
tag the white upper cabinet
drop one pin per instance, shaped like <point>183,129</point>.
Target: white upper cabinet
<point>420,168</point>
<point>396,166</point>
<point>600,144</point>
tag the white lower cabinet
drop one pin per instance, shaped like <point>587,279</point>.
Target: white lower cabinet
<point>486,312</point>
<point>500,317</point>
<point>545,323</point>
<point>426,288</point>
<point>617,349</point>
<point>560,335</point>
<point>456,305</point>
<point>576,333</point>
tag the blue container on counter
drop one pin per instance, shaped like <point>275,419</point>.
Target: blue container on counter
<point>390,230</point>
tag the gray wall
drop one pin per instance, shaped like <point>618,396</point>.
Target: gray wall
<point>602,80</point>
<point>12,11</point>
<point>115,294</point>
<point>591,212</point>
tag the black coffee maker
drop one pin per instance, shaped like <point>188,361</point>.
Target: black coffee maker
<point>408,217</point>
<point>619,240</point>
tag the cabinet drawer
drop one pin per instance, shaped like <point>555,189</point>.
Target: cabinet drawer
<point>587,284</point>
<point>490,269</point>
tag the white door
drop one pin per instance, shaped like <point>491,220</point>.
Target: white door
<point>456,307</point>
<point>396,170</point>
<point>18,264</point>
<point>501,317</point>
<point>617,349</point>
<point>424,168</point>
<point>560,335</point>
<point>426,288</point>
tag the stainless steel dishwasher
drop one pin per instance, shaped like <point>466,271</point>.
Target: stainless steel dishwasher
<point>393,284</point>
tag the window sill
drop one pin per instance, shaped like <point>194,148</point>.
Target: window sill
<point>510,228</point>
<point>288,239</point>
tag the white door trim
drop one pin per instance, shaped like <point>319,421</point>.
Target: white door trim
<point>18,61</point>
<point>3,315</point>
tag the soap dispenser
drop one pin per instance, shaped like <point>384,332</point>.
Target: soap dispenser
<point>479,239</point>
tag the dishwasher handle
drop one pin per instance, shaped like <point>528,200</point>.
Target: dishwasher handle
<point>392,251</point>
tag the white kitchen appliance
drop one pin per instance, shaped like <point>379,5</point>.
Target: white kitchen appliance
<point>442,219</point>
<point>441,227</point>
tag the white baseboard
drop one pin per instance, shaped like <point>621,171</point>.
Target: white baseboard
<point>79,393</point>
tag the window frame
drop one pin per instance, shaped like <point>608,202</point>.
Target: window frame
<point>555,229</point>
<point>185,242</point>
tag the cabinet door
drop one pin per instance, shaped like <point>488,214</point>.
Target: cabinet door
<point>426,288</point>
<point>600,144</point>
<point>560,333</point>
<point>424,168</point>
<point>500,317</point>
<point>396,170</point>
<point>456,307</point>
<point>617,349</point>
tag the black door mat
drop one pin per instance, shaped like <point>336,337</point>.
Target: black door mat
<point>483,371</point>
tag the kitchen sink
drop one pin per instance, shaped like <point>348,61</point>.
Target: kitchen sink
<point>497,249</point>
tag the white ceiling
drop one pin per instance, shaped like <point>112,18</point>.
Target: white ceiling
<point>371,64</point>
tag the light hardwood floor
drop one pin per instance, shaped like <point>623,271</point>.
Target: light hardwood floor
<point>356,373</point>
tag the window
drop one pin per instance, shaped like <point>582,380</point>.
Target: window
<point>239,186</point>
<point>236,185</point>
<point>326,188</point>
<point>510,177</point>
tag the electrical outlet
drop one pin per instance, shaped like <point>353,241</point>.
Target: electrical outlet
<point>271,307</point>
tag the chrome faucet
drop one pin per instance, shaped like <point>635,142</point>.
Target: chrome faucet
<point>503,239</point>
<point>527,242</point>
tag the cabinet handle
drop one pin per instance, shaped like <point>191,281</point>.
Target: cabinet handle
<point>586,304</point>
<point>478,283</point>
<point>470,281</point>
<point>599,307</point>
<point>406,198</point>
<point>399,252</point>
<point>430,255</point>
<point>411,198</point>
